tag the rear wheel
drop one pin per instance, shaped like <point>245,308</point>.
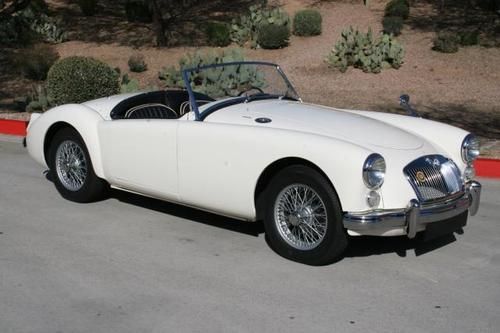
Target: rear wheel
<point>72,170</point>
<point>303,217</point>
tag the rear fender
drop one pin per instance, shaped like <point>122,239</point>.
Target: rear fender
<point>83,119</point>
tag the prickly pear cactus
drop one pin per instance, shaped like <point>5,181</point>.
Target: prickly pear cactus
<point>245,29</point>
<point>362,50</point>
<point>38,99</point>
<point>215,82</point>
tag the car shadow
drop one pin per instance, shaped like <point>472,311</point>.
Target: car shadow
<point>359,246</point>
<point>188,213</point>
<point>365,246</point>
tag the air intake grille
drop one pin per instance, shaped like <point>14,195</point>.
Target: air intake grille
<point>434,177</point>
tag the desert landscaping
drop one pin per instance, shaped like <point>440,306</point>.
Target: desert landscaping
<point>460,88</point>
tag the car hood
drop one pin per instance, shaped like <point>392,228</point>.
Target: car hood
<point>319,120</point>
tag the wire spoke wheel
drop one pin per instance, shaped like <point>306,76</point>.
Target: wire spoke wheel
<point>71,165</point>
<point>300,216</point>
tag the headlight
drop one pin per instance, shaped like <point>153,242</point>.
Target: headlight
<point>470,149</point>
<point>374,171</point>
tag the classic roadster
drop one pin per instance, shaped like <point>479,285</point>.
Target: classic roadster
<point>238,141</point>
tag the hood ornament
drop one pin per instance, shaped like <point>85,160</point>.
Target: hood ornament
<point>404,101</point>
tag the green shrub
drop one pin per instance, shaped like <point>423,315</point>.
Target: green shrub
<point>38,100</point>
<point>79,79</point>
<point>246,28</point>
<point>468,38</point>
<point>30,25</point>
<point>307,22</point>
<point>137,64</point>
<point>218,34</point>
<point>88,7</point>
<point>399,8</point>
<point>48,29</point>
<point>128,85</point>
<point>446,42</point>
<point>15,31</point>
<point>361,50</point>
<point>392,25</point>
<point>137,11</point>
<point>217,82</point>
<point>273,36</point>
<point>35,62</point>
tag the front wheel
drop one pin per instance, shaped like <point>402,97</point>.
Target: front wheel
<point>72,170</point>
<point>303,217</point>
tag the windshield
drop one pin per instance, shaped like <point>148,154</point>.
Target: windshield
<point>215,86</point>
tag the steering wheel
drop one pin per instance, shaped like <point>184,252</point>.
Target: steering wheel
<point>251,88</point>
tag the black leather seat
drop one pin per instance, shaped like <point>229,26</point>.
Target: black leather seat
<point>154,105</point>
<point>151,111</point>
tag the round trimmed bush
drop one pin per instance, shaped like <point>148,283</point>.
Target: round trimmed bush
<point>79,79</point>
<point>273,36</point>
<point>137,64</point>
<point>307,22</point>
<point>218,34</point>
<point>399,8</point>
<point>392,25</point>
<point>446,42</point>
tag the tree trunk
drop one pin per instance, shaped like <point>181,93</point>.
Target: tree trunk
<point>158,24</point>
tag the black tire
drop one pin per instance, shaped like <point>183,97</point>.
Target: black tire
<point>277,223</point>
<point>91,188</point>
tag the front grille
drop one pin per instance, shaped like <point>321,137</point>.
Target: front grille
<point>434,177</point>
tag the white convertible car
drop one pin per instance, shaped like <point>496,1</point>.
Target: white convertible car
<point>238,141</point>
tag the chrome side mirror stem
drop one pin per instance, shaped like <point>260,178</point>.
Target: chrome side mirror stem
<point>404,101</point>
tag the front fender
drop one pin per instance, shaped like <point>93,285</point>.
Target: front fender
<point>83,119</point>
<point>220,164</point>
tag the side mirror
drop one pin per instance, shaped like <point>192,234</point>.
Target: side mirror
<point>404,101</point>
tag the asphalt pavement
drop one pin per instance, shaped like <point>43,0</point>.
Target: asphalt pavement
<point>132,264</point>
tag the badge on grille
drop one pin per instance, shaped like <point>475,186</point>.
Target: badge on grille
<point>434,162</point>
<point>420,175</point>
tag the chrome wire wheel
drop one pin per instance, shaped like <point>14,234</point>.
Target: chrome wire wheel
<point>71,165</point>
<point>300,216</point>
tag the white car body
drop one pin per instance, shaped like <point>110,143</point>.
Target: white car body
<point>314,174</point>
<point>215,165</point>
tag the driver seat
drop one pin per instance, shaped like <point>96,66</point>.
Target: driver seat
<point>151,111</point>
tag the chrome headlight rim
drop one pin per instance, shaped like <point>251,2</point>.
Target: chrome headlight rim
<point>470,149</point>
<point>374,165</point>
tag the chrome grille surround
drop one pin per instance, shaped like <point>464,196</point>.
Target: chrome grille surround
<point>434,178</point>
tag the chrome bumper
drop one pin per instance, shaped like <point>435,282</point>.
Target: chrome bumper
<point>415,216</point>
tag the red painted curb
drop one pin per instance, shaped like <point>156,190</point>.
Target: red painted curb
<point>13,127</point>
<point>487,167</point>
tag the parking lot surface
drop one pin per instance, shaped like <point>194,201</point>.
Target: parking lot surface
<point>132,264</point>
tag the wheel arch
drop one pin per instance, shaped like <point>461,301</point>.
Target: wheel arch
<point>49,136</point>
<point>273,169</point>
<point>81,119</point>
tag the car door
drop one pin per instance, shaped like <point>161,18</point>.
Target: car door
<point>141,155</point>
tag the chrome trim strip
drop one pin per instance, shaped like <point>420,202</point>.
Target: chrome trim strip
<point>415,214</point>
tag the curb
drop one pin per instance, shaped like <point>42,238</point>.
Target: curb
<point>13,127</point>
<point>15,131</point>
<point>487,167</point>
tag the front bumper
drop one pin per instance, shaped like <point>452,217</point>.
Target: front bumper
<point>414,217</point>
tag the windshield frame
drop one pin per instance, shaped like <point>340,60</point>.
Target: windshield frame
<point>192,99</point>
